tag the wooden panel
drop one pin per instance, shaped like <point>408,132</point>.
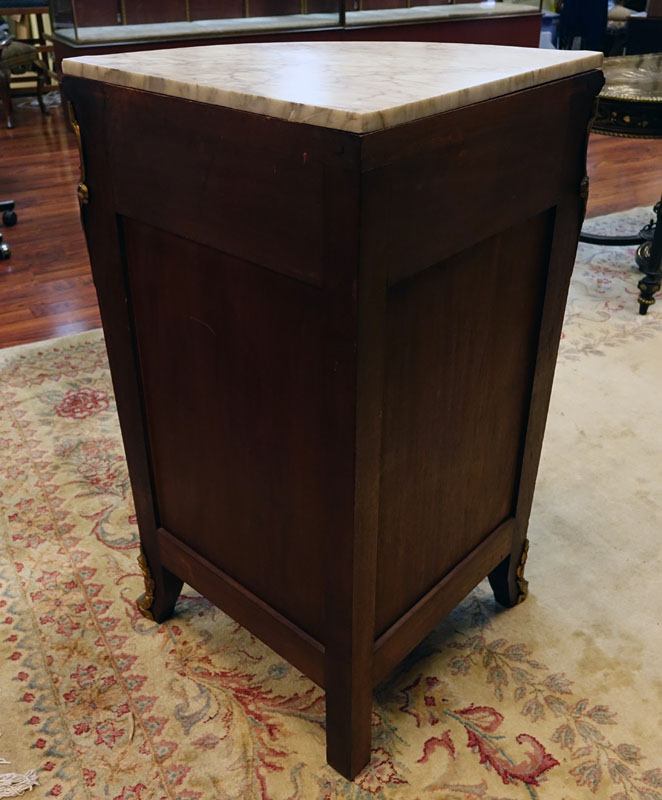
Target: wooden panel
<point>247,162</point>
<point>216,9</point>
<point>266,8</point>
<point>366,5</point>
<point>460,147</point>
<point>462,339</point>
<point>139,11</point>
<point>521,30</point>
<point>322,6</point>
<point>398,640</point>
<point>301,650</point>
<point>234,390</point>
<point>97,12</point>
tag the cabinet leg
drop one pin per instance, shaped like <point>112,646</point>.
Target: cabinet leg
<point>507,579</point>
<point>348,720</point>
<point>162,589</point>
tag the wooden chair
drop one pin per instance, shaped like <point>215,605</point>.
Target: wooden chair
<point>15,59</point>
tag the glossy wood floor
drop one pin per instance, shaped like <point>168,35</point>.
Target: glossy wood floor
<point>46,289</point>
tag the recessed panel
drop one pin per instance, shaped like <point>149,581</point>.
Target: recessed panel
<point>462,342</point>
<point>234,394</point>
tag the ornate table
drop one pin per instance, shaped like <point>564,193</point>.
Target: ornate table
<point>630,105</point>
<point>332,297</point>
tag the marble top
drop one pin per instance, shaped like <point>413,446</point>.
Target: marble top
<point>238,26</point>
<point>352,86</point>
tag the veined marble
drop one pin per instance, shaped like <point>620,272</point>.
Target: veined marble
<point>287,22</point>
<point>352,86</point>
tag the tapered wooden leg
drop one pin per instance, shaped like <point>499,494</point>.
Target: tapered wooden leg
<point>162,589</point>
<point>507,579</point>
<point>348,718</point>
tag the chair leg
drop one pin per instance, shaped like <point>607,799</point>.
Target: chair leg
<point>5,96</point>
<point>42,71</point>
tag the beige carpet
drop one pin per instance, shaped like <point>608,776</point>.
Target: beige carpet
<point>557,699</point>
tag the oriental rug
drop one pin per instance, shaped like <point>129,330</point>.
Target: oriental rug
<point>557,699</point>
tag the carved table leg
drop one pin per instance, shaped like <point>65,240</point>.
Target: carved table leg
<point>162,589</point>
<point>649,261</point>
<point>507,579</point>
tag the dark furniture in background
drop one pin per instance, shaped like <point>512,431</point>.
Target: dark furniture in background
<point>9,219</point>
<point>630,105</point>
<point>333,435</point>
<point>586,19</point>
<point>643,35</point>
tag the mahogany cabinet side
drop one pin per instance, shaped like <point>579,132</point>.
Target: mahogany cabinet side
<point>364,231</point>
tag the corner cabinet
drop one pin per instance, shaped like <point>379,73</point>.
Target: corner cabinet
<point>332,299</point>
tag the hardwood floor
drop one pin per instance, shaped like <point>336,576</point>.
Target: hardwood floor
<point>624,173</point>
<point>46,288</point>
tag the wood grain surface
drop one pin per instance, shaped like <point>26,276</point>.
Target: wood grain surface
<point>332,356</point>
<point>46,287</point>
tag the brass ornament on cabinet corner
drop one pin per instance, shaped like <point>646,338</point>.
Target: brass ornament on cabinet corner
<point>522,583</point>
<point>145,600</point>
<point>83,192</point>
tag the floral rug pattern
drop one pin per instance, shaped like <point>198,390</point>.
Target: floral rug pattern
<point>604,292</point>
<point>102,703</point>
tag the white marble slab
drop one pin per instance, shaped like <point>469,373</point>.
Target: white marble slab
<point>352,86</point>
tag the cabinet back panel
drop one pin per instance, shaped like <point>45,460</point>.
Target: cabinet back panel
<point>233,387</point>
<point>458,383</point>
<point>216,174</point>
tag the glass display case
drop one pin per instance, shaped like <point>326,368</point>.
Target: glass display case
<point>81,22</point>
<point>132,20</point>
